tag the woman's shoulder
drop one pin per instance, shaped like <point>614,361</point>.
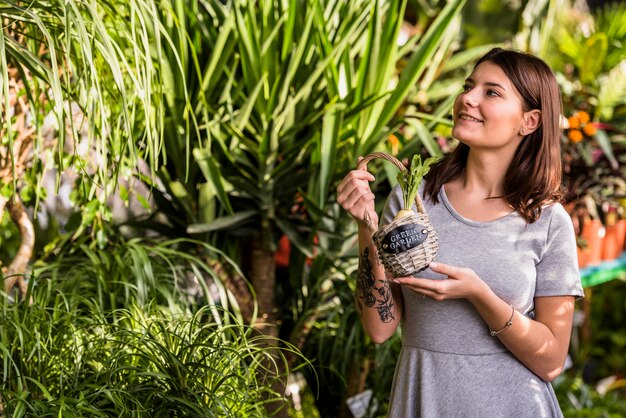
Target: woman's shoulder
<point>555,216</point>
<point>555,209</point>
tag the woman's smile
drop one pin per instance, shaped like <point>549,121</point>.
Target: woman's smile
<point>467,117</point>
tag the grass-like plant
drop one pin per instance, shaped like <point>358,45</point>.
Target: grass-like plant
<point>167,272</point>
<point>116,332</point>
<point>65,356</point>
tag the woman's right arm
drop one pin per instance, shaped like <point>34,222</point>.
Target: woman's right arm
<point>378,301</point>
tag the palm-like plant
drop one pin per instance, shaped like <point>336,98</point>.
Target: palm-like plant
<point>282,99</point>
<point>81,94</point>
<point>299,120</point>
<point>309,89</point>
<point>71,74</point>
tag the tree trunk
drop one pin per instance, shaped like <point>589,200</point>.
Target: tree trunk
<point>263,276</point>
<point>14,274</point>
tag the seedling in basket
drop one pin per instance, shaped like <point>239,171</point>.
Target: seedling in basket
<point>410,181</point>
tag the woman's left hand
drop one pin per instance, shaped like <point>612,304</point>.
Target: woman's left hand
<point>462,283</point>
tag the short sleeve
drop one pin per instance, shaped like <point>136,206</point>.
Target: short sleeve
<point>557,270</point>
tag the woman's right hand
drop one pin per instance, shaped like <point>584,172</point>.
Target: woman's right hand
<point>356,197</point>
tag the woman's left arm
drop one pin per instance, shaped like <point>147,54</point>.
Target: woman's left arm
<point>541,344</point>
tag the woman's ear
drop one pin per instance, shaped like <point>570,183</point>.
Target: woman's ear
<point>532,120</point>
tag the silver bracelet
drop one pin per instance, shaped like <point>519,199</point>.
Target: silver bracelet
<point>508,324</point>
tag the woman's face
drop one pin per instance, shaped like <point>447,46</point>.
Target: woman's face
<point>489,112</point>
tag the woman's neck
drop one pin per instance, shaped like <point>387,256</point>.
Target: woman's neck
<point>484,174</point>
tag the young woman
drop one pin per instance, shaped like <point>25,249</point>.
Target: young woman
<point>487,326</point>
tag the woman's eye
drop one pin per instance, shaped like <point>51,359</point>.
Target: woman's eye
<point>492,93</point>
<point>466,87</point>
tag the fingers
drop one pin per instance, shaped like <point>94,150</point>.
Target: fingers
<point>357,197</point>
<point>355,177</point>
<point>448,270</point>
<point>461,282</point>
<point>421,284</point>
<point>358,205</point>
<point>354,193</point>
<point>425,287</point>
<point>417,284</point>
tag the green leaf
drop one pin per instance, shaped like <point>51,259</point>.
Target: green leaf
<point>211,173</point>
<point>424,136</point>
<point>416,65</point>
<point>328,146</point>
<point>222,223</point>
<point>411,179</point>
<point>605,144</point>
<point>592,57</point>
<point>612,91</point>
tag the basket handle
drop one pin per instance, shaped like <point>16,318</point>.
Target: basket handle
<point>362,165</point>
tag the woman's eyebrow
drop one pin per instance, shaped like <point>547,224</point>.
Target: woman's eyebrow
<point>492,84</point>
<point>488,83</point>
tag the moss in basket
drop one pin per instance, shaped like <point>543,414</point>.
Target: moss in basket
<point>410,181</point>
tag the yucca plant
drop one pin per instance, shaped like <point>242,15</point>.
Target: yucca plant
<point>306,102</point>
<point>283,98</point>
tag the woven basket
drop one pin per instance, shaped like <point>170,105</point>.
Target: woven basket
<point>408,245</point>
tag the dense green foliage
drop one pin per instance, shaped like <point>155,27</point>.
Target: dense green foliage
<point>226,125</point>
<point>65,356</point>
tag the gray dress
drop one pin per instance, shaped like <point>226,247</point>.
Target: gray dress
<point>449,365</point>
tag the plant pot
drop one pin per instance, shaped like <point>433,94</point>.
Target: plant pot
<point>613,242</point>
<point>620,236</point>
<point>593,231</point>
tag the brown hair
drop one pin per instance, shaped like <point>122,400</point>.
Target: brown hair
<point>534,177</point>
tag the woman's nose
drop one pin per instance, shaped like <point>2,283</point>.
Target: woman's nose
<point>469,98</point>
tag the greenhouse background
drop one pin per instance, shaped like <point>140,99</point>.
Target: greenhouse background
<point>170,239</point>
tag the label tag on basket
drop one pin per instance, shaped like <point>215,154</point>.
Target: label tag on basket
<point>403,238</point>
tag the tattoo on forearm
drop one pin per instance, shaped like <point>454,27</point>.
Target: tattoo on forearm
<point>371,295</point>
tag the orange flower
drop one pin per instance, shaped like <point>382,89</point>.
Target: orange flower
<point>575,135</point>
<point>393,141</point>
<point>589,129</point>
<point>583,117</point>
<point>574,122</point>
